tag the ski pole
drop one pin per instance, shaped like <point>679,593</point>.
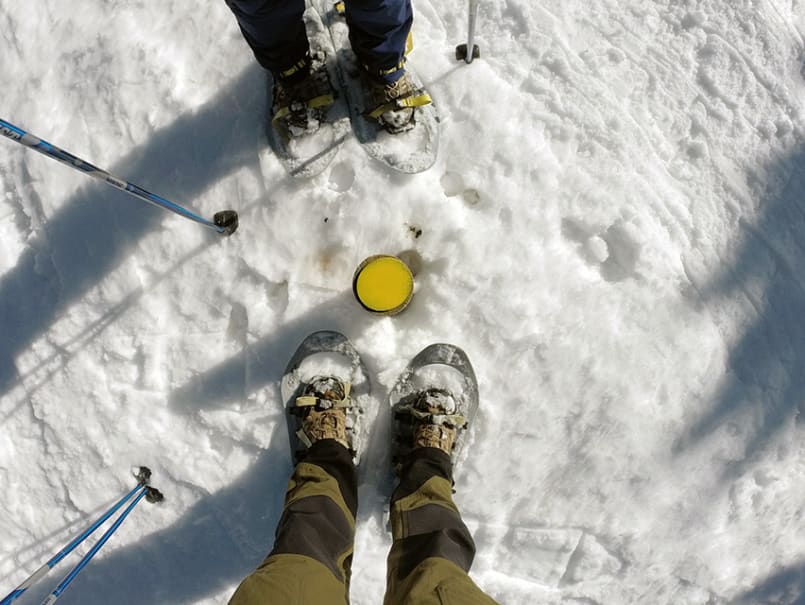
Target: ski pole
<point>224,222</point>
<point>470,50</point>
<point>93,551</point>
<point>143,475</point>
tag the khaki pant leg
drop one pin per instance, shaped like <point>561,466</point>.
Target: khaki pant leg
<point>432,551</point>
<point>290,580</point>
<point>310,563</point>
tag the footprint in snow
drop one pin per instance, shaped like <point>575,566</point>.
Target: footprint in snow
<point>615,250</point>
<point>453,186</point>
<point>342,176</point>
<point>238,327</point>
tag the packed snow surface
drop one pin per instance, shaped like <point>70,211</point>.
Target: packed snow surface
<point>614,231</point>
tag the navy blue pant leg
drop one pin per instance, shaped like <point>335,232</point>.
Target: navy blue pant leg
<point>274,30</point>
<point>378,30</point>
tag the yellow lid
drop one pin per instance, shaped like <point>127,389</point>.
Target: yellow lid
<point>383,284</point>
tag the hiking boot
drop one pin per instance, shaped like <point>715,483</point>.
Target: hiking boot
<point>433,401</point>
<point>302,96</point>
<point>393,105</point>
<point>428,418</point>
<point>323,408</point>
<point>438,427</point>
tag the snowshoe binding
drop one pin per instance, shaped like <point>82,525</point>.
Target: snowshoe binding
<point>325,389</point>
<point>302,98</point>
<point>431,407</point>
<point>394,105</point>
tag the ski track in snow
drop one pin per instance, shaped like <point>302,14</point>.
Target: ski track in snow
<point>612,231</point>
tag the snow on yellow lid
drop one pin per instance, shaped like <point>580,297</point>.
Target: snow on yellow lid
<point>383,284</point>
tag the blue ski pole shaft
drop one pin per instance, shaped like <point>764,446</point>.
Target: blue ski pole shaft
<point>93,551</point>
<point>43,571</point>
<point>224,222</point>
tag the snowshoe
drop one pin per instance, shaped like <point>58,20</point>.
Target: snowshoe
<point>433,403</point>
<point>325,390</point>
<point>396,127</point>
<point>307,121</point>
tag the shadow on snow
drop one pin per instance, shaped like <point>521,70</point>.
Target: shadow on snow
<point>90,235</point>
<point>764,392</point>
<point>221,538</point>
<point>226,534</point>
<point>786,587</point>
<point>95,230</point>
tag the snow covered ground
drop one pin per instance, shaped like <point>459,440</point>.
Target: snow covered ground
<point>613,231</point>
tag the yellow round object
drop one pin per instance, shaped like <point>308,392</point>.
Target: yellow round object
<point>383,284</point>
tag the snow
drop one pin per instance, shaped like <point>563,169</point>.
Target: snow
<point>612,231</point>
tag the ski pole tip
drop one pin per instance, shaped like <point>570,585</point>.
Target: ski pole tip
<point>463,55</point>
<point>226,221</point>
<point>142,474</point>
<point>153,495</point>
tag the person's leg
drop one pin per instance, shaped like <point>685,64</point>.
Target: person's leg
<point>275,31</point>
<point>432,549</point>
<point>312,555</point>
<point>378,30</point>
